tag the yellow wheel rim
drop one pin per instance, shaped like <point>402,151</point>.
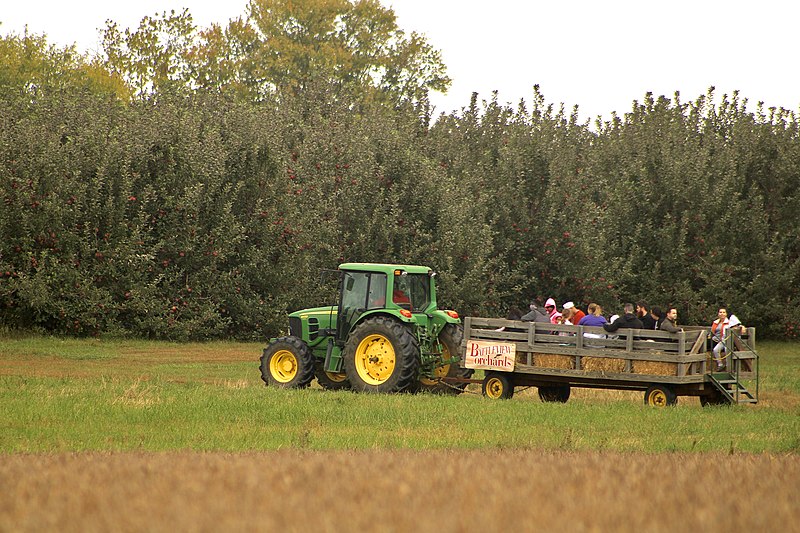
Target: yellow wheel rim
<point>283,366</point>
<point>494,388</point>
<point>375,359</point>
<point>336,377</point>
<point>658,398</point>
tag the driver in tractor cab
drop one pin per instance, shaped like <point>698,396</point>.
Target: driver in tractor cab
<point>401,298</point>
<point>400,292</point>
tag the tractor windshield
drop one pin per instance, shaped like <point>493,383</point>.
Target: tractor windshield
<point>412,291</point>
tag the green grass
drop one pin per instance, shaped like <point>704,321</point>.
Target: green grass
<point>70,395</point>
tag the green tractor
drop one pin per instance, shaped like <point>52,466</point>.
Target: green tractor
<point>385,334</point>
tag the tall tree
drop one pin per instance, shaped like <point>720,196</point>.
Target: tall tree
<point>154,56</point>
<point>280,46</point>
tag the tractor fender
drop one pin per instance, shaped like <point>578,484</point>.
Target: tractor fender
<point>391,313</point>
<point>443,316</point>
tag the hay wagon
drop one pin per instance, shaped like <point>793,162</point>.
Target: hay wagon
<point>555,358</point>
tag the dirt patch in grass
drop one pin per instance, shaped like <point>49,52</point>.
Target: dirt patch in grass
<point>127,361</point>
<point>398,491</point>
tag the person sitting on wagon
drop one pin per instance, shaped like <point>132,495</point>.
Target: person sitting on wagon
<point>628,320</point>
<point>537,314</point>
<point>594,318</point>
<point>513,314</point>
<point>657,315</point>
<point>718,329</point>
<point>643,313</point>
<point>550,307</point>
<point>670,322</point>
<point>572,313</point>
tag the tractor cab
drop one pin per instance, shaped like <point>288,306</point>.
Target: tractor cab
<point>389,289</point>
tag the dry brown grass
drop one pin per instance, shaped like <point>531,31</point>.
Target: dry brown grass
<point>136,362</point>
<point>398,491</point>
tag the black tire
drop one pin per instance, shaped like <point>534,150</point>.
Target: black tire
<point>498,386</point>
<point>715,398</point>
<point>659,396</point>
<point>381,355</point>
<point>555,393</point>
<point>450,337</point>
<point>287,363</point>
<point>330,380</point>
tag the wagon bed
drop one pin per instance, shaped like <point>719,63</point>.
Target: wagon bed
<point>555,358</point>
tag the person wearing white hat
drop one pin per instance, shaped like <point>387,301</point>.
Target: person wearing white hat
<point>572,313</point>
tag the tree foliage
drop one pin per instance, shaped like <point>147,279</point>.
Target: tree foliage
<point>279,47</point>
<point>187,213</point>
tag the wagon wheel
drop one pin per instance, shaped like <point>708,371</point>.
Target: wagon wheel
<point>555,393</point>
<point>659,396</point>
<point>498,386</point>
<point>715,398</point>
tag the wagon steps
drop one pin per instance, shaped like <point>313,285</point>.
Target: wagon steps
<point>731,388</point>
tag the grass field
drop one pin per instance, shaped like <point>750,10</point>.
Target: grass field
<point>113,395</point>
<point>117,435</point>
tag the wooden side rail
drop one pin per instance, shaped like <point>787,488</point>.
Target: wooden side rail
<point>533,336</point>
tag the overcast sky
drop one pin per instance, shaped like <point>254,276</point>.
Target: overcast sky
<point>599,55</point>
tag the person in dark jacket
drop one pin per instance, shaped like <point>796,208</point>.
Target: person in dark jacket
<point>643,312</point>
<point>628,320</point>
<point>537,314</point>
<point>658,315</point>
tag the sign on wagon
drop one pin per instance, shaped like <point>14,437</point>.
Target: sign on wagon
<point>486,355</point>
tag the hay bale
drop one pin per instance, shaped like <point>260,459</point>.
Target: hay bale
<point>603,364</point>
<point>547,360</point>
<point>655,368</point>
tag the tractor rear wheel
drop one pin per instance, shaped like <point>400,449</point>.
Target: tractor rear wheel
<point>288,363</point>
<point>330,380</point>
<point>450,338</point>
<point>381,355</point>
<point>555,393</point>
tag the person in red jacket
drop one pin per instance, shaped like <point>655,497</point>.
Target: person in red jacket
<point>572,313</point>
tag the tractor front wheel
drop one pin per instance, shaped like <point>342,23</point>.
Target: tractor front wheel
<point>288,363</point>
<point>381,355</point>
<point>450,338</point>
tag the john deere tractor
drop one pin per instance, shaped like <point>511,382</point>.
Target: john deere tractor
<point>385,334</point>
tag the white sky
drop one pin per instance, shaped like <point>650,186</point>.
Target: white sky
<point>599,55</point>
